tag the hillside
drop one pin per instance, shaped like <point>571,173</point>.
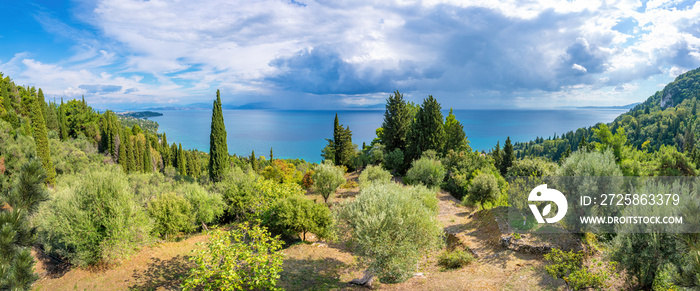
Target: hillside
<point>669,117</point>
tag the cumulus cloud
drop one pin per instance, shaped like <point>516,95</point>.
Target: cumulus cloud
<point>340,52</point>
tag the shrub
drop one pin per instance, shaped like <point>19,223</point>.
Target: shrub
<point>248,197</point>
<point>244,258</point>
<point>73,225</point>
<point>307,182</point>
<point>282,172</point>
<point>531,167</point>
<point>643,254</point>
<point>426,171</point>
<point>327,179</point>
<point>349,184</point>
<point>172,215</point>
<point>455,259</point>
<point>391,227</point>
<point>207,206</point>
<point>394,161</point>
<point>569,267</point>
<point>374,174</point>
<point>297,214</point>
<point>482,188</point>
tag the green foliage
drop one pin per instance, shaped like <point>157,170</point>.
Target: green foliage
<point>391,227</point>
<point>327,178</point>
<point>340,150</point>
<point>532,167</point>
<point>507,158</point>
<point>456,139</point>
<point>247,196</point>
<point>426,171</point>
<point>455,259</point>
<point>17,236</point>
<point>396,124</point>
<point>74,226</point>
<point>394,161</point>
<point>246,258</point>
<point>644,254</point>
<point>172,215</point>
<point>207,206</point>
<point>427,131</point>
<point>41,139</point>
<point>374,174</point>
<point>462,167</point>
<point>282,172</point>
<point>81,119</point>
<point>218,148</point>
<point>569,267</point>
<point>483,188</point>
<point>297,214</point>
<point>608,141</point>
<point>670,162</point>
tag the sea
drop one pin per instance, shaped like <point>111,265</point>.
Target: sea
<point>302,134</point>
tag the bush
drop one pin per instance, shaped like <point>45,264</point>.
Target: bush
<point>426,171</point>
<point>248,197</point>
<point>307,182</point>
<point>391,227</point>
<point>172,215</point>
<point>569,267</point>
<point>455,259</point>
<point>374,174</point>
<point>483,188</point>
<point>73,225</point>
<point>394,161</point>
<point>246,258</point>
<point>327,179</point>
<point>644,254</point>
<point>207,206</point>
<point>297,214</point>
<point>527,167</point>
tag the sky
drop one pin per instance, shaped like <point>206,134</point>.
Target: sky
<point>298,54</point>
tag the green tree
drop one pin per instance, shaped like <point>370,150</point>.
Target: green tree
<point>508,157</point>
<point>496,154</point>
<point>62,122</point>
<point>52,117</point>
<point>17,206</point>
<point>427,171</point>
<point>165,151</point>
<point>218,149</point>
<point>397,123</point>
<point>246,258</point>
<point>297,214</point>
<point>456,138</point>
<point>253,161</point>
<point>483,188</point>
<point>5,94</point>
<point>327,178</point>
<point>41,139</point>
<point>427,131</point>
<point>181,161</point>
<point>391,227</point>
<point>172,215</point>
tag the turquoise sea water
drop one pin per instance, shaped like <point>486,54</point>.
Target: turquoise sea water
<point>301,134</point>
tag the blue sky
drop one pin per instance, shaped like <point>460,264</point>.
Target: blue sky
<point>132,54</point>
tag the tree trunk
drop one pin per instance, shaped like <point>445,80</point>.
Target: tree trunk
<point>366,280</point>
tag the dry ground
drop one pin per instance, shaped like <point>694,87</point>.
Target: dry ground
<point>324,266</point>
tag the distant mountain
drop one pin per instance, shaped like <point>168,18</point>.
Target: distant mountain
<point>628,106</point>
<point>141,114</point>
<point>207,106</point>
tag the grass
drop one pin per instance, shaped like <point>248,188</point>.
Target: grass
<point>455,259</point>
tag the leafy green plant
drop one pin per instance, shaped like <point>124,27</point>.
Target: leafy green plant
<point>483,188</point>
<point>394,161</point>
<point>374,174</point>
<point>172,215</point>
<point>391,227</point>
<point>247,257</point>
<point>297,214</point>
<point>327,179</point>
<point>455,259</point>
<point>569,267</point>
<point>426,171</point>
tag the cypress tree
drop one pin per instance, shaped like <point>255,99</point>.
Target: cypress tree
<point>130,153</point>
<point>456,139</point>
<point>181,161</point>
<point>497,155</point>
<point>397,123</point>
<point>147,163</point>
<point>218,149</point>
<point>337,131</point>
<point>17,236</point>
<point>272,157</point>
<point>508,157</point>
<point>52,117</point>
<point>346,148</point>
<point>42,101</point>
<point>173,155</point>
<point>165,151</point>
<point>41,139</point>
<point>62,122</point>
<point>427,131</point>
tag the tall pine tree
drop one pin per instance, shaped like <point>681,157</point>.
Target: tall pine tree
<point>337,132</point>
<point>16,234</point>
<point>41,139</point>
<point>181,161</point>
<point>165,151</point>
<point>427,131</point>
<point>218,149</point>
<point>397,123</point>
<point>508,156</point>
<point>456,139</point>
